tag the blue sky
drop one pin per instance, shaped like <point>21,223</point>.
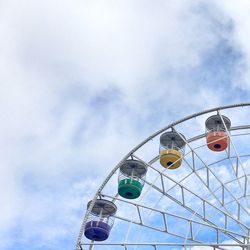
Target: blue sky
<point>82,82</point>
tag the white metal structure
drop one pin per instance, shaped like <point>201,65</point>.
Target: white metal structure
<point>204,204</point>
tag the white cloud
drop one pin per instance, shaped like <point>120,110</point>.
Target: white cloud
<point>80,84</point>
<point>239,14</point>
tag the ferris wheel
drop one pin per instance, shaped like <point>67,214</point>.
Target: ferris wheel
<point>187,186</point>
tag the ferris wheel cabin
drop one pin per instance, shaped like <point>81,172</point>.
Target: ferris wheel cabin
<point>217,137</point>
<point>130,182</point>
<point>100,220</point>
<point>172,147</point>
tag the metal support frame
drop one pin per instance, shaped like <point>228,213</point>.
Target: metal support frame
<point>227,215</point>
<point>189,245</point>
<point>165,217</point>
<point>210,171</point>
<point>204,203</point>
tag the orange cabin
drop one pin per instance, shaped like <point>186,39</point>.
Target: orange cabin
<point>217,136</point>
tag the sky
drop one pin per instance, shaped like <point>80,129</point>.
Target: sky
<point>82,82</point>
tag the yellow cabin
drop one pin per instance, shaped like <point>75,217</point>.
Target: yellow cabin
<point>172,147</point>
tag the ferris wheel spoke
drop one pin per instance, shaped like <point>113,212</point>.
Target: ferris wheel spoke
<point>167,216</point>
<point>157,229</point>
<point>182,201</point>
<point>207,183</point>
<point>239,164</point>
<point>204,216</point>
<point>224,189</point>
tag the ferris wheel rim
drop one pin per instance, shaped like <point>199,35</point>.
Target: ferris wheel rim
<point>131,152</point>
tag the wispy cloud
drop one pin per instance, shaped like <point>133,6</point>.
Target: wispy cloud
<point>83,82</point>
